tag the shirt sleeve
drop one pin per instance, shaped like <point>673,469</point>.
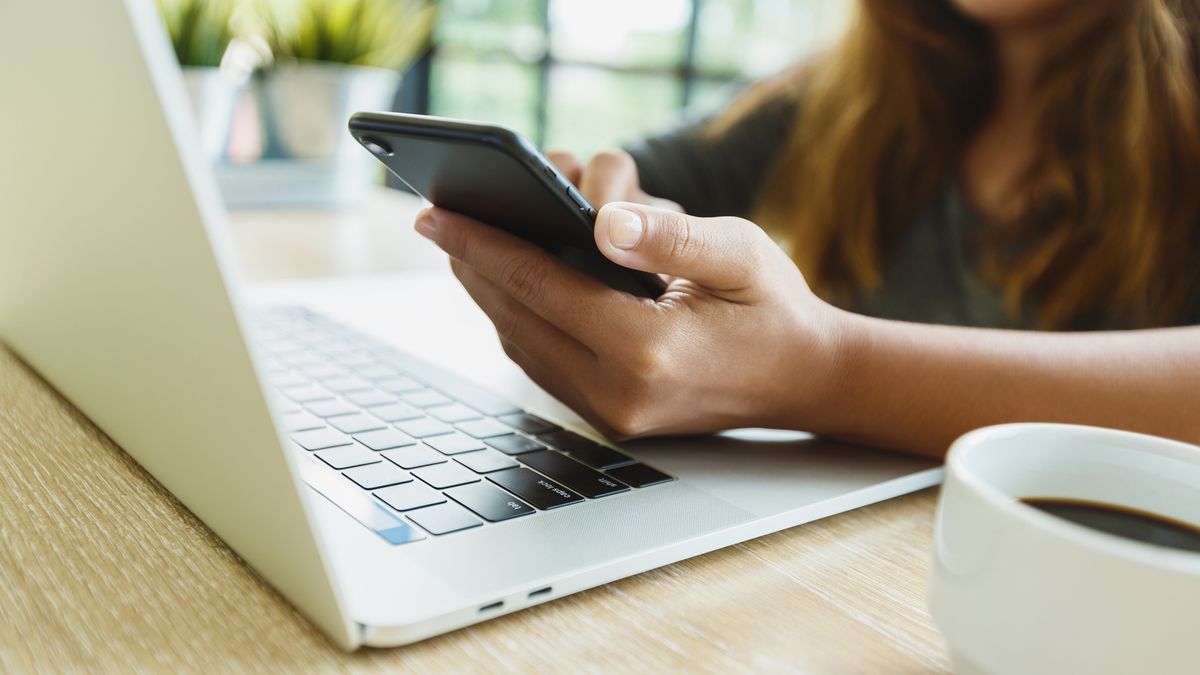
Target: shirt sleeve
<point>715,174</point>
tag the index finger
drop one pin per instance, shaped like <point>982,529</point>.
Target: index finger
<point>576,303</point>
<point>567,164</point>
<point>610,176</point>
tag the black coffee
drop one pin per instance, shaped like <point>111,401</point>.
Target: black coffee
<point>1123,522</point>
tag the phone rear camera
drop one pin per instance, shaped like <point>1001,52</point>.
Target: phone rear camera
<point>376,146</point>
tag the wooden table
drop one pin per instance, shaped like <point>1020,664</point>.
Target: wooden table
<point>102,569</point>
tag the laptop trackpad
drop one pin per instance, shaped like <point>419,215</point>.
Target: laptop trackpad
<point>767,472</point>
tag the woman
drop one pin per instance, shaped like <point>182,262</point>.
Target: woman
<point>1009,166</point>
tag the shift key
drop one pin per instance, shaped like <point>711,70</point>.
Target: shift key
<point>543,493</point>
<point>588,482</point>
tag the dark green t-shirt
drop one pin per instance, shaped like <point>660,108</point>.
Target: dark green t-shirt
<point>929,275</point>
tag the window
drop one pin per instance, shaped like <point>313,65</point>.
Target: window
<point>582,75</point>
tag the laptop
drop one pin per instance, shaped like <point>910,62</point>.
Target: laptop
<point>386,496</point>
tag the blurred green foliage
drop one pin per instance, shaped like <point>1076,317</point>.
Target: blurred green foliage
<point>200,30</point>
<point>378,33</point>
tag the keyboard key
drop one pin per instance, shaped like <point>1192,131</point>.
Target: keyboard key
<point>639,475</point>
<point>409,496</point>
<point>587,482</point>
<point>375,371</point>
<point>279,352</point>
<point>485,461</point>
<point>566,440</point>
<point>306,337</point>
<point>300,421</point>
<point>530,424</point>
<point>444,519</point>
<point>298,359</point>
<point>288,379</point>
<point>488,405</point>
<point>333,348</point>
<point>321,345</point>
<point>346,384</point>
<point>330,408</point>
<point>514,444</point>
<point>396,412</point>
<point>369,398</point>
<point>453,444</point>
<point>381,474</point>
<point>489,503</point>
<point>455,412</point>
<point>384,439</point>
<point>424,427</point>
<point>589,452</point>
<point>537,490</point>
<point>351,357</point>
<point>353,424</point>
<point>473,397</point>
<point>270,335</point>
<point>484,428</point>
<point>414,456</point>
<point>306,393</point>
<point>322,371</point>
<point>347,456</point>
<point>399,385</point>
<point>425,399</point>
<point>319,439</point>
<point>442,476</point>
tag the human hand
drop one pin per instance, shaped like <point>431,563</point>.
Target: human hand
<point>609,176</point>
<point>736,340</point>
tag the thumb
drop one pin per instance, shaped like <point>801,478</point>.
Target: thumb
<point>718,253</point>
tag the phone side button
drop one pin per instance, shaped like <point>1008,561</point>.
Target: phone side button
<point>577,198</point>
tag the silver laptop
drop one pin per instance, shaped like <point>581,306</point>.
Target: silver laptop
<point>388,499</point>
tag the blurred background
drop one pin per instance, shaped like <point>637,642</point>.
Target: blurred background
<point>582,75</point>
<point>273,81</point>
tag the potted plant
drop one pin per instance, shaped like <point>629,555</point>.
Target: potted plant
<point>333,58</point>
<point>200,32</point>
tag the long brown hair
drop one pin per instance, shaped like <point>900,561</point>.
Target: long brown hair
<point>1105,222</point>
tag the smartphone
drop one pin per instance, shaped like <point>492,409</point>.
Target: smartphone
<point>498,177</point>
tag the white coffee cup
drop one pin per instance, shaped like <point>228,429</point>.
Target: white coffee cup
<point>1017,590</point>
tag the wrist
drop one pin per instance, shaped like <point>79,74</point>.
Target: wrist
<point>819,371</point>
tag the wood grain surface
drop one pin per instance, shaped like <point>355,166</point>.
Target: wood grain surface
<point>103,570</point>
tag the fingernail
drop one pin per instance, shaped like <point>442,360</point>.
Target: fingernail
<point>426,225</point>
<point>625,228</point>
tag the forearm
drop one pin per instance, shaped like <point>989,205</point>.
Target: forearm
<point>916,387</point>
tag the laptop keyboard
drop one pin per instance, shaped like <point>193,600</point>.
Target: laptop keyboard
<point>411,451</point>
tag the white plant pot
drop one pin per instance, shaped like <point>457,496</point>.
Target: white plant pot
<point>213,96</point>
<point>305,108</point>
<point>308,105</point>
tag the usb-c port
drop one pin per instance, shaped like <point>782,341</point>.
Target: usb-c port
<point>540,592</point>
<point>495,605</point>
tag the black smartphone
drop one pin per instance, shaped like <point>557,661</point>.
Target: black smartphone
<point>498,177</point>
